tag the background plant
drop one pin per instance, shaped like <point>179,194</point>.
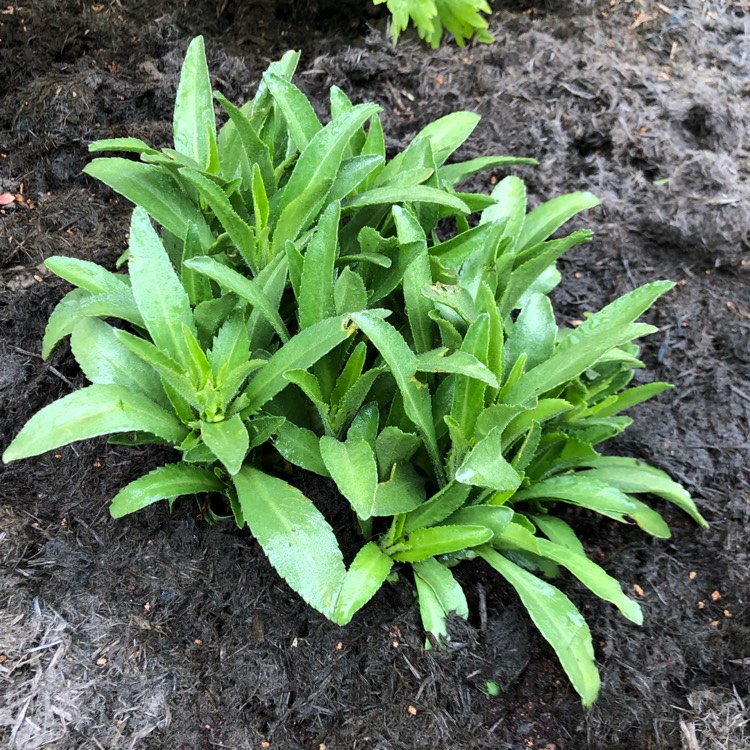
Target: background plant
<point>461,18</point>
<point>308,291</point>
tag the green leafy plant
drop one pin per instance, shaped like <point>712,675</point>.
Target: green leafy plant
<point>311,300</point>
<point>461,18</point>
<point>162,385</point>
<point>484,437</point>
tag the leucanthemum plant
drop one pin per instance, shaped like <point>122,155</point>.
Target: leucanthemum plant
<point>305,300</point>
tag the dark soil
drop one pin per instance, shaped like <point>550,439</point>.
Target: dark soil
<point>158,631</point>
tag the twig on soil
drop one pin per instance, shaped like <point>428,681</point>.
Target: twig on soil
<point>62,377</point>
<point>482,607</point>
<point>27,353</point>
<point>412,668</point>
<point>626,266</point>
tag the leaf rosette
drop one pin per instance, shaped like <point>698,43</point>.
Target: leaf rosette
<point>309,302</point>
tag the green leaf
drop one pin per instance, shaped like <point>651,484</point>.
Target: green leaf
<point>529,271</point>
<point>353,173</point>
<point>128,145</point>
<point>558,531</point>
<point>89,276</point>
<point>450,338</point>
<point>545,410</point>
<point>354,397</point>
<point>579,490</point>
<point>629,398</point>
<point>340,102</point>
<point>447,133</point>
<point>165,483</point>
<point>593,577</point>
<point>198,287</point>
<point>230,347</point>
<point>447,590</point>
<point>194,119</point>
<point>310,386</point>
<point>431,612</point>
<point>413,194</point>
<point>438,507</point>
<point>460,363</point>
<point>365,576</point>
<point>105,360</point>
<point>416,276</point>
<point>468,393</point>
<point>161,298</point>
<point>244,288</point>
<point>261,429</point>
<point>453,298</point>
<point>295,262</point>
<point>439,595</point>
<point>261,206</point>
<point>486,467</point>
<point>462,19</point>
<point>375,146</point>
<point>211,314</point>
<point>402,257</point>
<point>255,150</point>
<point>632,475</point>
<point>171,373</point>
<point>518,536</point>
<point>349,374</point>
<point>510,208</point>
<point>471,243</point>
<point>199,368</point>
<point>410,167</point>
<point>594,431</point>
<point>171,159</point>
<point>299,353</point>
<point>550,216</point>
<point>455,173</point>
<point>349,292</point>
<point>497,415</point>
<point>112,305</point>
<point>403,365</point>
<point>649,520</point>
<point>239,231</point>
<point>402,492</point>
<point>558,621</point>
<point>459,445</point>
<point>285,68</point>
<point>496,345</point>
<point>314,174</point>
<point>582,347</point>
<point>228,440</point>
<point>154,189</point>
<point>63,320</point>
<point>420,544</point>
<point>230,383</point>
<point>533,333</point>
<point>353,468</point>
<point>392,446</point>
<point>364,426</point>
<point>300,117</point>
<point>300,447</point>
<point>316,288</point>
<point>92,411</point>
<point>496,518</point>
<point>295,537</point>
<point>273,281</point>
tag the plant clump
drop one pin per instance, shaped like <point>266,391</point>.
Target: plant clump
<point>308,300</point>
<point>462,19</point>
